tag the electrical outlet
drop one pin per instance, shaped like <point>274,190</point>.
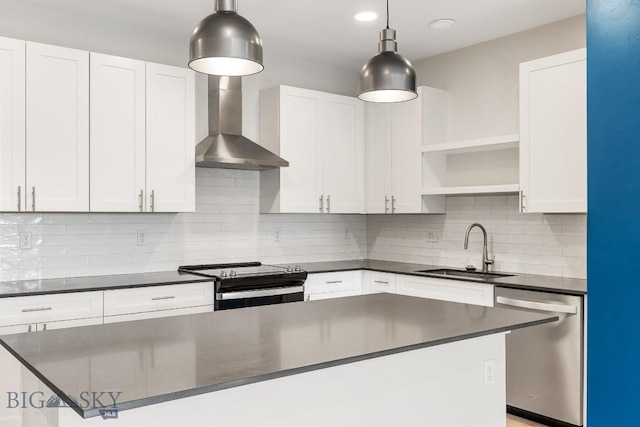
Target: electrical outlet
<point>142,237</point>
<point>347,235</point>
<point>432,236</point>
<point>25,240</point>
<point>489,372</point>
<point>276,235</point>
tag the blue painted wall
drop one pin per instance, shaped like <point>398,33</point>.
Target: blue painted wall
<point>613,222</point>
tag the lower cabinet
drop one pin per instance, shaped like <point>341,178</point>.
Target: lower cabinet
<point>445,290</point>
<point>374,282</point>
<point>332,285</point>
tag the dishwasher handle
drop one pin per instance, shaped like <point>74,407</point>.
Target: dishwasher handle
<point>537,305</point>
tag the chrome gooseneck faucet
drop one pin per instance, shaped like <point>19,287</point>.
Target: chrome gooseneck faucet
<point>486,262</point>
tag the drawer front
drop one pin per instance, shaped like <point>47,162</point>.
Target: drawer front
<point>333,282</point>
<point>375,282</point>
<point>155,298</point>
<point>157,314</point>
<point>50,308</point>
<point>445,290</point>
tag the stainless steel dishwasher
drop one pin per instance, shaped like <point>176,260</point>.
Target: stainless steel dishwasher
<point>545,364</point>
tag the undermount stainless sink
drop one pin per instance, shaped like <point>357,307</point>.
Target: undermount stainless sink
<point>451,272</point>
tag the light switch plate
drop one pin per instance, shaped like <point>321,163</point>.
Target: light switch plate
<point>432,236</point>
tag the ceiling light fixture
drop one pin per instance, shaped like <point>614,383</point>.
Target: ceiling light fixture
<point>442,23</point>
<point>366,16</point>
<point>388,76</point>
<point>225,44</point>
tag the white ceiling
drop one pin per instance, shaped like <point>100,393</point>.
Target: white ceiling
<point>325,29</point>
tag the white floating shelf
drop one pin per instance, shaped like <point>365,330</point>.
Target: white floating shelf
<point>472,189</point>
<point>473,145</point>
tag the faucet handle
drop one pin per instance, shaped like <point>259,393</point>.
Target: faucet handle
<point>488,262</point>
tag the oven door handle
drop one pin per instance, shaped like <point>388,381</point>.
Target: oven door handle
<point>223,296</point>
<point>537,305</point>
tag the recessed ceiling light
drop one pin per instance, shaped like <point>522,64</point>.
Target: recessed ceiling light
<point>366,16</point>
<point>442,23</point>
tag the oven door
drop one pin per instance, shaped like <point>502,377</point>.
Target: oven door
<point>252,298</point>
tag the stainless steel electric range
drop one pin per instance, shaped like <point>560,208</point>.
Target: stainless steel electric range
<point>252,283</point>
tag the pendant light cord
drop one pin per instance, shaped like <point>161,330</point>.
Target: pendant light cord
<point>387,14</point>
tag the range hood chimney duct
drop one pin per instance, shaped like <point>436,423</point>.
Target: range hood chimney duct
<point>225,147</point>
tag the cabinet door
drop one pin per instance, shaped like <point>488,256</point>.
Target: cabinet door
<point>378,159</point>
<point>50,308</point>
<point>553,143</point>
<point>406,157</point>
<point>170,139</point>
<point>445,290</point>
<point>74,323</point>
<point>342,133</point>
<point>12,124</point>
<point>374,282</point>
<point>301,184</point>
<point>117,134</point>
<point>57,128</point>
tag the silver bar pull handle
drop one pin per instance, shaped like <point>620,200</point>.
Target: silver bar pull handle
<point>329,204</point>
<point>521,201</point>
<point>30,310</point>
<point>331,282</point>
<point>382,282</point>
<point>386,204</point>
<point>141,200</point>
<point>537,305</point>
<point>162,298</point>
<point>19,198</point>
<point>321,199</point>
<point>153,200</point>
<point>33,199</point>
<point>44,326</point>
<point>221,296</point>
<point>393,204</point>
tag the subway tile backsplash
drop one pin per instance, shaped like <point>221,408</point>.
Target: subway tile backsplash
<point>227,226</point>
<point>546,244</point>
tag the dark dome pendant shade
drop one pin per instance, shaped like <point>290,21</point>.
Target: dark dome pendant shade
<point>225,44</point>
<point>388,76</point>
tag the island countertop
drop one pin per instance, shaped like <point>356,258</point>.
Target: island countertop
<point>158,360</point>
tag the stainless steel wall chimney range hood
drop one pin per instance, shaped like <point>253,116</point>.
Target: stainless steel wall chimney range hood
<point>225,147</point>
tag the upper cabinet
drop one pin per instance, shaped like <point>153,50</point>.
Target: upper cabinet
<point>86,132</point>
<point>57,123</point>
<point>142,119</point>
<point>12,125</point>
<point>117,134</point>
<point>553,159</point>
<point>321,135</point>
<point>170,159</point>
<point>395,134</point>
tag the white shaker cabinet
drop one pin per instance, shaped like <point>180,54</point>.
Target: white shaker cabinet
<point>12,125</point>
<point>57,124</point>
<point>321,135</point>
<point>553,142</point>
<point>394,169</point>
<point>117,134</point>
<point>170,148</point>
<point>332,285</point>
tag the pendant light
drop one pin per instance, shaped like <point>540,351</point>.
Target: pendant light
<point>226,44</point>
<point>388,76</point>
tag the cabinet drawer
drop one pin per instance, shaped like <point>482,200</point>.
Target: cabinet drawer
<point>155,298</point>
<point>445,290</point>
<point>50,308</point>
<point>375,282</point>
<point>333,282</point>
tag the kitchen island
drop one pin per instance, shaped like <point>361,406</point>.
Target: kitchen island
<point>359,361</point>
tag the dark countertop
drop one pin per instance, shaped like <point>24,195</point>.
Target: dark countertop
<point>158,360</point>
<point>564,285</point>
<point>95,283</point>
